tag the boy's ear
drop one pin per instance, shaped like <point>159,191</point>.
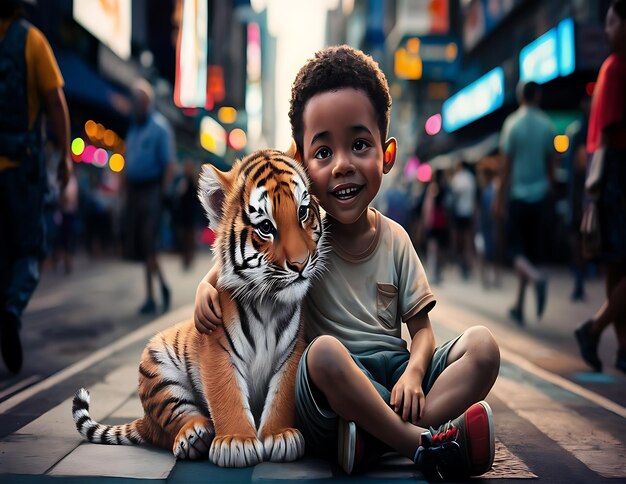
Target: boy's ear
<point>391,146</point>
<point>212,189</point>
<point>293,152</point>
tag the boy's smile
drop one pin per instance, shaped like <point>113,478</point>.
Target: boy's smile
<point>343,153</point>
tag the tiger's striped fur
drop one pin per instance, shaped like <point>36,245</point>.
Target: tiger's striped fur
<point>230,395</point>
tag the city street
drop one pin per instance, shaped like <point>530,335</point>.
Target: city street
<point>555,421</point>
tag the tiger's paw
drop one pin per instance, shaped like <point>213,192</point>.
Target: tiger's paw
<point>194,439</point>
<point>285,446</point>
<point>236,451</point>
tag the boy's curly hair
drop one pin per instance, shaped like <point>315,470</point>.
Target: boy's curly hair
<point>335,68</point>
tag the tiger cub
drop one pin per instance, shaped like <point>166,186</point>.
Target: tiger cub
<point>230,395</point>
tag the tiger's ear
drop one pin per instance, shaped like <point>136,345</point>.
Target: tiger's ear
<point>293,152</point>
<point>212,189</point>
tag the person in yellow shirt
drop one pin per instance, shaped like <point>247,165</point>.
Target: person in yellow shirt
<point>30,85</point>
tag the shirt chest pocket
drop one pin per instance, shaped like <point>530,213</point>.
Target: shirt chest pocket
<point>387,304</point>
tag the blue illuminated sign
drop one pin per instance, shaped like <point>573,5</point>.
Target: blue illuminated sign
<point>549,56</point>
<point>480,98</point>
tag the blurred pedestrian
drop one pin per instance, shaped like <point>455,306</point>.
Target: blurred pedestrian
<point>576,160</point>
<point>30,84</point>
<point>607,139</point>
<point>148,173</point>
<point>527,146</point>
<point>186,210</point>
<point>463,194</point>
<point>486,236</point>
<point>436,225</point>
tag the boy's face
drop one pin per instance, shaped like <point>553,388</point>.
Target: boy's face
<point>343,153</point>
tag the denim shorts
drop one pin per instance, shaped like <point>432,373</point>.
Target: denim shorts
<point>317,421</point>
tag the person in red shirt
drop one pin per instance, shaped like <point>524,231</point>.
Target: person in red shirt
<point>607,135</point>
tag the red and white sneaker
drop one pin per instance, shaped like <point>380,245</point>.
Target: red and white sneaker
<point>460,448</point>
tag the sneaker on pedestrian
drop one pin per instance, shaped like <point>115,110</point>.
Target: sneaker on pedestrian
<point>541,291</point>
<point>588,345</point>
<point>620,362</point>
<point>460,448</point>
<point>10,341</point>
<point>149,307</point>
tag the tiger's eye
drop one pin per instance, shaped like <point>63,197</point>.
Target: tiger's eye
<point>303,213</point>
<point>266,227</point>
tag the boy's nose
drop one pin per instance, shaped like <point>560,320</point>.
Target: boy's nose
<point>343,165</point>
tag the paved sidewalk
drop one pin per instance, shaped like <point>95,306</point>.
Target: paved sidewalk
<point>535,413</point>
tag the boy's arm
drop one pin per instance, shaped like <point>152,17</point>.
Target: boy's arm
<point>207,314</point>
<point>407,396</point>
<point>422,344</point>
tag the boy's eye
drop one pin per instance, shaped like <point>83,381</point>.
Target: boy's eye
<point>360,145</point>
<point>322,153</point>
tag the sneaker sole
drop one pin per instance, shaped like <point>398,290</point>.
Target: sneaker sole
<point>492,441</point>
<point>346,445</point>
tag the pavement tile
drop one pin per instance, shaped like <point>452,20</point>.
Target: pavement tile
<point>303,469</point>
<point>116,461</point>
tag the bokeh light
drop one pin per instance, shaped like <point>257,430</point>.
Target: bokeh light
<point>110,138</point>
<point>91,128</point>
<point>411,167</point>
<point>227,115</point>
<point>561,143</point>
<point>78,146</point>
<point>237,139</point>
<point>433,124</point>
<point>88,153</point>
<point>100,157</point>
<point>116,163</point>
<point>424,173</point>
<point>590,88</point>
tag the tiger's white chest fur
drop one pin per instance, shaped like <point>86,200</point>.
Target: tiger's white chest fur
<point>262,339</point>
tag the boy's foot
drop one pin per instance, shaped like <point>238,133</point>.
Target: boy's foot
<point>620,362</point>
<point>349,446</point>
<point>10,341</point>
<point>541,290</point>
<point>517,316</point>
<point>166,295</point>
<point>149,307</point>
<point>460,448</point>
<point>588,345</point>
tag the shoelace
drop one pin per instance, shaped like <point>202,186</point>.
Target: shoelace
<point>445,435</point>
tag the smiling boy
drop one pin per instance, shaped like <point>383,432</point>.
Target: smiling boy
<point>357,379</point>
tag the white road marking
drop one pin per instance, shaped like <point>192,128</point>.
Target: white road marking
<point>450,318</point>
<point>143,333</point>
<point>19,385</point>
<point>570,430</point>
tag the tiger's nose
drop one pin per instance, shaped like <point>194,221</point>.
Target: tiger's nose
<point>298,265</point>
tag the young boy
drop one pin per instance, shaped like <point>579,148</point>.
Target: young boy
<point>356,379</point>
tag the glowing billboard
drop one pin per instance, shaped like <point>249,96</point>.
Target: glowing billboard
<point>480,98</point>
<point>108,20</point>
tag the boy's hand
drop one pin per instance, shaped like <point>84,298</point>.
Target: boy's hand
<point>207,314</point>
<point>408,399</point>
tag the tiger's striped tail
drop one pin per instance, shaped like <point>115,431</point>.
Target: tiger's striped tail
<point>89,429</point>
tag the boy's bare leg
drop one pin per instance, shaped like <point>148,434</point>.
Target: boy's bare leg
<point>352,396</point>
<point>471,370</point>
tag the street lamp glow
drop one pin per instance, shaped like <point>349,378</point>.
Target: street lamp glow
<point>78,146</point>
<point>116,163</point>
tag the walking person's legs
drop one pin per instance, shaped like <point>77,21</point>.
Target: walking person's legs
<point>612,311</point>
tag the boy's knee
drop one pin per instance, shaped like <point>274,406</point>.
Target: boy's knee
<point>325,360</point>
<point>484,349</point>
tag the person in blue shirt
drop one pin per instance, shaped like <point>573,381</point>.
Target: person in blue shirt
<point>527,145</point>
<point>149,165</point>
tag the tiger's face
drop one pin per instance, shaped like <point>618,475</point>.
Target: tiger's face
<point>268,225</point>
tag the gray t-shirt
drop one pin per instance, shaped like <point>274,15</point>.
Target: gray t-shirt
<point>362,299</point>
